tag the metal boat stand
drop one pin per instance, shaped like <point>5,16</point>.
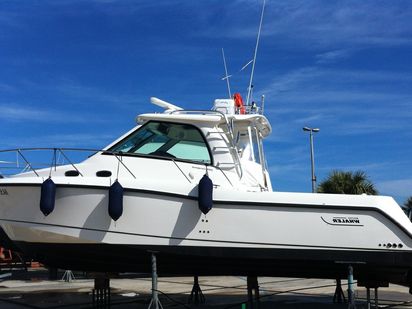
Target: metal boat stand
<point>372,284</point>
<point>339,296</point>
<point>155,302</point>
<point>68,276</point>
<point>196,296</point>
<point>351,289</point>
<point>253,286</point>
<point>368,301</point>
<point>101,292</point>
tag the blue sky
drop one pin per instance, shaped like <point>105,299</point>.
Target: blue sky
<point>75,73</point>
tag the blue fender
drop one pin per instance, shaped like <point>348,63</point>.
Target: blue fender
<point>47,197</point>
<point>116,200</point>
<point>205,194</point>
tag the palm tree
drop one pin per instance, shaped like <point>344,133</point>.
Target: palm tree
<point>341,182</point>
<point>408,203</point>
<point>407,207</point>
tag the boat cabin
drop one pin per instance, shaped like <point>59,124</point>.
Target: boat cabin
<point>220,138</point>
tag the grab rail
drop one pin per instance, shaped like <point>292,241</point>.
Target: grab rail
<point>32,166</point>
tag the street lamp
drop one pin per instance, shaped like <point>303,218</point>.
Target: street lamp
<point>312,155</point>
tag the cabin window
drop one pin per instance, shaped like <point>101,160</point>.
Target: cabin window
<point>167,140</point>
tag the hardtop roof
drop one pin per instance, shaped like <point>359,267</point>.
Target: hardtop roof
<point>209,118</point>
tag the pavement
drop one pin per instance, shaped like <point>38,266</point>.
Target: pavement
<point>32,289</point>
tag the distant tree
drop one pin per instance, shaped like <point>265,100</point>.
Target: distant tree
<point>407,207</point>
<point>408,203</point>
<point>341,182</point>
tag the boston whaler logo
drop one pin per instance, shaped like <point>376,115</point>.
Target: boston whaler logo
<point>3,192</point>
<point>348,221</point>
<point>351,220</point>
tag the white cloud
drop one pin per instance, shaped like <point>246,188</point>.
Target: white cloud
<point>368,167</point>
<point>307,77</point>
<point>281,169</point>
<point>313,118</point>
<point>320,24</point>
<point>94,94</point>
<point>68,91</point>
<point>291,80</point>
<point>330,27</point>
<point>86,140</point>
<point>332,56</point>
<point>6,87</point>
<point>60,140</point>
<point>14,113</point>
<point>22,112</point>
<point>359,101</point>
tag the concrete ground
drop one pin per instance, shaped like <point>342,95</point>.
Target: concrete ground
<point>33,290</point>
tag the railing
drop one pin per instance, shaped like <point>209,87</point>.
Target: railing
<point>197,112</point>
<point>21,160</point>
<point>252,110</point>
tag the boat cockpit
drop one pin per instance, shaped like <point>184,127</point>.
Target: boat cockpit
<point>162,139</point>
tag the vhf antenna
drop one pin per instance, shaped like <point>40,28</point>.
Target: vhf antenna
<point>249,91</point>
<point>226,75</point>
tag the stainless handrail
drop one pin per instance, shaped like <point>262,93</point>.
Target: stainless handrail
<point>30,165</point>
<point>197,111</point>
<point>64,155</point>
<point>27,162</point>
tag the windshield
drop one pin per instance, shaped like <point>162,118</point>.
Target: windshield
<point>169,140</point>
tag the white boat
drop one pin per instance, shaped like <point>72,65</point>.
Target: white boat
<point>249,230</point>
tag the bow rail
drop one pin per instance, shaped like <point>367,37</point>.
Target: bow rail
<point>21,160</point>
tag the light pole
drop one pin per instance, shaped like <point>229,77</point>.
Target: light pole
<point>312,155</point>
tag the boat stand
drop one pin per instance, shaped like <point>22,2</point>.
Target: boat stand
<point>372,284</point>
<point>253,286</point>
<point>196,296</point>
<point>368,298</point>
<point>351,289</point>
<point>155,302</point>
<point>68,276</point>
<point>376,298</point>
<point>101,292</point>
<point>339,296</point>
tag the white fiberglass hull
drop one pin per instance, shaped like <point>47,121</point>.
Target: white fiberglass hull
<point>261,233</point>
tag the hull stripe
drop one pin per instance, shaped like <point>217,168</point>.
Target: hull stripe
<point>200,240</point>
<point>236,203</point>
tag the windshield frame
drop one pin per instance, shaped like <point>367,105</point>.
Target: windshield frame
<point>140,155</point>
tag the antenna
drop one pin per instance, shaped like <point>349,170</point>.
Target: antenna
<point>169,107</point>
<point>246,65</point>
<point>226,75</point>
<point>262,105</point>
<point>254,57</point>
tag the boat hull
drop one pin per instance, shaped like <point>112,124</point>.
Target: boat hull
<point>188,260</point>
<point>237,237</point>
